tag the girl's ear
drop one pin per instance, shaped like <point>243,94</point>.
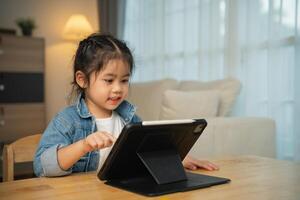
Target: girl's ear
<point>81,79</point>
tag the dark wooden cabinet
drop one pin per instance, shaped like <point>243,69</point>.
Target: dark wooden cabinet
<point>22,108</point>
<point>18,87</point>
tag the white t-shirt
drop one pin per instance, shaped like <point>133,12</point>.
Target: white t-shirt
<point>112,125</point>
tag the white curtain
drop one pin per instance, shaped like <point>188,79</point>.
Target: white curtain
<point>256,41</point>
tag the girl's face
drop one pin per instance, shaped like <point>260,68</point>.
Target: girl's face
<point>107,88</point>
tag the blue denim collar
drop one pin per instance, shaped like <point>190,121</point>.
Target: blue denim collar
<point>126,110</point>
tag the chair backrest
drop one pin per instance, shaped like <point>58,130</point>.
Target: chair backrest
<point>22,150</point>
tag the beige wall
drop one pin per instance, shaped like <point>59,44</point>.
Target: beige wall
<point>50,17</point>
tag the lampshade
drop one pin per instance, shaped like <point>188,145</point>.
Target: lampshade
<point>77,28</point>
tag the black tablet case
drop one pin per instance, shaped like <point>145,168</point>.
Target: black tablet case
<point>146,159</point>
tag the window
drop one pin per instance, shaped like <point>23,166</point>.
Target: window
<point>255,41</point>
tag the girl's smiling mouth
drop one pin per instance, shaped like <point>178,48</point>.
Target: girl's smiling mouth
<point>114,100</point>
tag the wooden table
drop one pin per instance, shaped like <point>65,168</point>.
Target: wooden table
<point>252,178</point>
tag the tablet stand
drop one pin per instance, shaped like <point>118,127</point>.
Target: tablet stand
<point>164,166</point>
<point>160,157</point>
<point>164,172</point>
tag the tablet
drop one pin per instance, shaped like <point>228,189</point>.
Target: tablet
<point>147,158</point>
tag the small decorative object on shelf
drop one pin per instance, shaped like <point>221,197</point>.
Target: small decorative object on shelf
<point>7,31</point>
<point>27,25</point>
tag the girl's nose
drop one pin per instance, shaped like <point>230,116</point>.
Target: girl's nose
<point>117,87</point>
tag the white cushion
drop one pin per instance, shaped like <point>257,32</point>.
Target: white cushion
<point>186,105</point>
<point>147,97</point>
<point>228,88</point>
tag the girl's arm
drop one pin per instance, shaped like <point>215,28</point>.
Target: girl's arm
<point>69,155</point>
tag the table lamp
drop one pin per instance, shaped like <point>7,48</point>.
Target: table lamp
<point>77,28</point>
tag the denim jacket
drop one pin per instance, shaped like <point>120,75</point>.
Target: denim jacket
<point>69,126</point>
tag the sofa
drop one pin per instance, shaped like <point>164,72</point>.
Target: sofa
<point>224,135</point>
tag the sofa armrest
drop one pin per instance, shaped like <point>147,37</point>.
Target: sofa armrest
<point>228,136</point>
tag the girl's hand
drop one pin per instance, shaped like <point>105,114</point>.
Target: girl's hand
<point>193,164</point>
<point>98,140</point>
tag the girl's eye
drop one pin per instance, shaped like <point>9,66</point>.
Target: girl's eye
<point>108,80</point>
<point>125,81</point>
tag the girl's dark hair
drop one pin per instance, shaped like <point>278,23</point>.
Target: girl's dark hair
<point>94,53</point>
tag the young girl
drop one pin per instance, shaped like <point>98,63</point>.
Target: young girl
<point>80,137</point>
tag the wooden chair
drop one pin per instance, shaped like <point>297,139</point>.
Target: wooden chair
<point>22,150</point>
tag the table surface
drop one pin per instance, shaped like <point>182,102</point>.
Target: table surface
<point>251,177</point>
